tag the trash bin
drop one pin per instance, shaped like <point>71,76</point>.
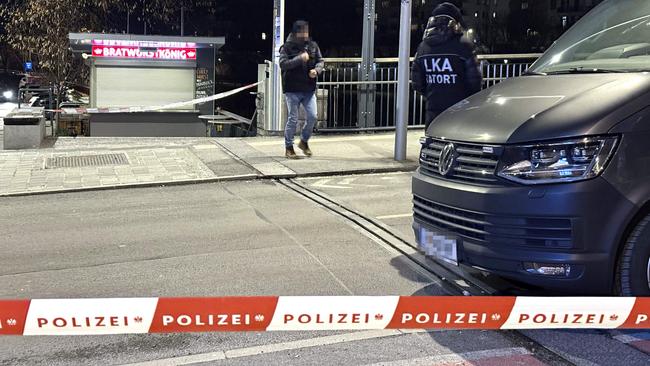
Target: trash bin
<point>73,124</point>
<point>222,130</point>
<point>24,129</point>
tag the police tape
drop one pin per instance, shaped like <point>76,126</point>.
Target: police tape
<point>154,108</point>
<point>291,313</point>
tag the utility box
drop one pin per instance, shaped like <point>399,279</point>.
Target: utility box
<point>24,129</point>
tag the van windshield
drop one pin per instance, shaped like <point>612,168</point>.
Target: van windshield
<point>614,37</point>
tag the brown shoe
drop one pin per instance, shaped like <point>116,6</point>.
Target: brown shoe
<point>290,153</point>
<point>305,148</point>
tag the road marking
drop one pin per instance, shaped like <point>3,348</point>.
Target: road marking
<point>323,184</point>
<point>384,175</point>
<point>345,183</point>
<point>395,216</point>
<point>277,347</point>
<point>461,358</point>
<point>634,337</point>
<point>640,341</point>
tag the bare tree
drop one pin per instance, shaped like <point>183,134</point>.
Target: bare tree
<point>38,29</point>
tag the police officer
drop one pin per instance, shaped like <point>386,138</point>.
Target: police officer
<point>445,70</point>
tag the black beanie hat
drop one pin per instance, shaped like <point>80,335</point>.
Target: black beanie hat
<point>298,25</point>
<point>449,10</point>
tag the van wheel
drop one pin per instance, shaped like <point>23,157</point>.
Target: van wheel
<point>633,272</point>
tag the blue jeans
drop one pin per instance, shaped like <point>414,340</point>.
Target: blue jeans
<point>294,100</point>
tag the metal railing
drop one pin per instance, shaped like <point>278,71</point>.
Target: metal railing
<point>341,86</point>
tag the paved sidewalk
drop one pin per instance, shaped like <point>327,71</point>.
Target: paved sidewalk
<point>104,163</point>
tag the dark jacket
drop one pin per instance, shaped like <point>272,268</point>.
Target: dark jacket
<point>445,70</point>
<point>295,72</point>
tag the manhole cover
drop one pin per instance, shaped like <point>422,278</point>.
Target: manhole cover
<point>86,160</point>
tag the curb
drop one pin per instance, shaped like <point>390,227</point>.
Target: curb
<point>212,180</point>
<point>135,185</point>
<point>365,171</point>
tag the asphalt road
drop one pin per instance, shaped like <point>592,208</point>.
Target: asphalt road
<point>240,238</point>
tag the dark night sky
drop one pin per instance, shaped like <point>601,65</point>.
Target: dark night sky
<point>335,24</point>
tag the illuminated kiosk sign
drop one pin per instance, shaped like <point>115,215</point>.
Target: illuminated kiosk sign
<point>152,44</point>
<point>139,53</point>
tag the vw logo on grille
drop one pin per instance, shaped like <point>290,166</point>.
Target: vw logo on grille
<point>447,159</point>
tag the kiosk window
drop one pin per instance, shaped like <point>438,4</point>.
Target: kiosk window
<point>127,87</point>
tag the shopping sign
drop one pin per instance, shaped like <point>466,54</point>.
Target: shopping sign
<point>138,53</point>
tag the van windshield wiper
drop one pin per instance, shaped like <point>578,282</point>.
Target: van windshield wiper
<point>584,70</point>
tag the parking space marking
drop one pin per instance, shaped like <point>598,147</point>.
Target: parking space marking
<point>277,347</point>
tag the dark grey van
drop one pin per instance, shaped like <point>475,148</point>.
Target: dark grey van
<point>545,178</point>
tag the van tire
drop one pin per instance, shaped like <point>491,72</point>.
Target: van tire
<point>632,270</point>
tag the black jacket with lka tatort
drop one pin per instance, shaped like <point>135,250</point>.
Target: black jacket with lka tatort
<point>445,71</point>
<point>295,72</point>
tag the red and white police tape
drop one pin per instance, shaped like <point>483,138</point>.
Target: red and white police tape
<point>155,108</point>
<point>289,313</point>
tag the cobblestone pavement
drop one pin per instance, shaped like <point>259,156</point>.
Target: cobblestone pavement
<point>70,164</point>
<point>149,163</point>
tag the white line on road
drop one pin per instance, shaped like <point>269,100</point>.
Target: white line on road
<point>346,183</point>
<point>395,216</point>
<point>460,357</point>
<point>323,184</point>
<point>629,338</point>
<point>625,338</point>
<point>383,175</point>
<point>276,347</point>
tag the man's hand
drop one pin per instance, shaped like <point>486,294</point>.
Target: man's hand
<point>304,56</point>
<point>313,73</point>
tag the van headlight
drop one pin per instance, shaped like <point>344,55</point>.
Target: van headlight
<point>557,162</point>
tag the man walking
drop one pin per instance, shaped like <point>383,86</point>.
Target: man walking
<point>445,70</point>
<point>301,62</point>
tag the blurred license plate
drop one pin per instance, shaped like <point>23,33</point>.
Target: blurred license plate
<point>439,245</point>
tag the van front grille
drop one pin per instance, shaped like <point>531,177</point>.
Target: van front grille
<point>542,232</point>
<point>473,164</point>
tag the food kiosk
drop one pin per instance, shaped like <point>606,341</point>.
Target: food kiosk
<point>142,71</point>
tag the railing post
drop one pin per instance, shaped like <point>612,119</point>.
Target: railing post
<point>365,92</point>
<point>403,77</point>
<point>276,77</point>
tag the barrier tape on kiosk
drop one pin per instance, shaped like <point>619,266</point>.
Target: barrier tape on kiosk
<point>171,315</point>
<point>156,108</point>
